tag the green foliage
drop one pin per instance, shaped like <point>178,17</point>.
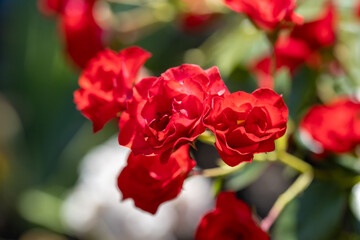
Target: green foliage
<point>239,43</point>
<point>315,215</point>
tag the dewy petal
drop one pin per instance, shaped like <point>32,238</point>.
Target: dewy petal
<point>169,110</point>
<point>217,85</point>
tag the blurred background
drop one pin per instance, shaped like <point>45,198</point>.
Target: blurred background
<point>58,179</point>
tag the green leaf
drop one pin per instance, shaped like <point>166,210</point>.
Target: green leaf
<point>41,208</point>
<point>303,92</point>
<point>217,185</point>
<point>240,43</point>
<point>283,82</point>
<point>315,215</point>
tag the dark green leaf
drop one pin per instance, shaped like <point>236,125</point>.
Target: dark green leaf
<point>315,215</point>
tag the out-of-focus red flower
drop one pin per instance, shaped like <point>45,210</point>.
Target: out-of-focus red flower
<point>167,112</point>
<point>357,9</point>
<point>197,17</point>
<point>290,53</point>
<point>302,46</point>
<point>267,14</point>
<point>51,7</point>
<point>82,36</point>
<point>106,83</point>
<point>150,183</point>
<point>245,124</point>
<point>320,32</point>
<point>230,220</point>
<point>195,23</point>
<point>334,127</point>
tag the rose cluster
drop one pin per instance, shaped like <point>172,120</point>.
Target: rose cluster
<point>159,117</point>
<point>301,45</point>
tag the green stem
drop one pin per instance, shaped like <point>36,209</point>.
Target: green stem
<point>272,37</point>
<point>294,162</point>
<point>356,180</point>
<point>301,183</point>
<point>207,137</point>
<point>222,171</point>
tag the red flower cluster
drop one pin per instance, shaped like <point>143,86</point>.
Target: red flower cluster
<point>320,32</point>
<point>267,14</point>
<point>159,116</point>
<point>245,124</point>
<point>106,84</point>
<point>302,45</point>
<point>335,127</point>
<point>231,219</point>
<point>80,32</point>
<point>150,182</point>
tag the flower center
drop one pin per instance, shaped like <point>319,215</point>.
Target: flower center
<point>160,123</point>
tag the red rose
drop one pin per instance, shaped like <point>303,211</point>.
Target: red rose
<point>245,124</point>
<point>320,32</point>
<point>107,83</point>
<point>150,183</point>
<point>267,14</point>
<point>230,220</point>
<point>334,127</point>
<point>167,112</point>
